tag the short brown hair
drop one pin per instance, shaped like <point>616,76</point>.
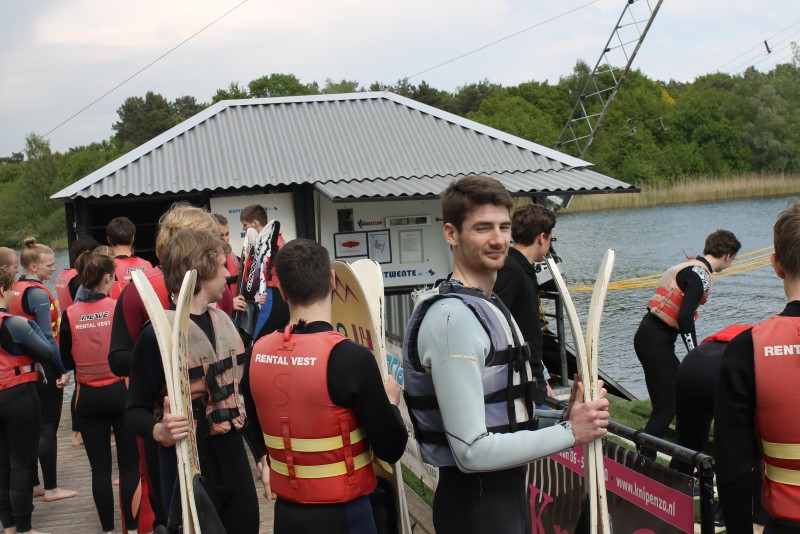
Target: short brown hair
<point>182,216</point>
<point>6,281</point>
<point>32,252</point>
<point>304,270</point>
<point>254,212</point>
<point>120,231</point>
<point>786,238</point>
<point>720,243</point>
<point>7,255</point>
<point>529,221</point>
<point>92,266</point>
<point>464,194</point>
<point>187,250</point>
<point>221,220</point>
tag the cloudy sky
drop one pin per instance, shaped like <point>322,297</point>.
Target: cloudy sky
<point>57,57</point>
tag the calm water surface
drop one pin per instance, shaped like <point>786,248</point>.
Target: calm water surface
<point>648,241</point>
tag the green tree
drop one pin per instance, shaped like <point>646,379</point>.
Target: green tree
<point>185,107</point>
<point>517,116</point>
<point>280,85</point>
<point>233,92</point>
<point>344,86</point>
<point>141,119</point>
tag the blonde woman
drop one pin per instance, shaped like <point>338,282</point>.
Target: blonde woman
<point>31,299</point>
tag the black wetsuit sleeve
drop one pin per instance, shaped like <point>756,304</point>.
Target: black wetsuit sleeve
<point>253,434</point>
<point>73,285</point>
<point>146,381</point>
<point>65,335</point>
<point>734,424</point>
<point>692,286</point>
<point>19,336</point>
<point>37,303</point>
<point>125,329</point>
<point>354,381</point>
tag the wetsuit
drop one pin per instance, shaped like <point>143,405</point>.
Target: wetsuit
<point>19,423</point>
<point>734,419</point>
<point>36,303</point>
<point>517,287</point>
<point>223,459</point>
<point>101,409</point>
<point>654,344</point>
<point>485,491</point>
<point>353,381</point>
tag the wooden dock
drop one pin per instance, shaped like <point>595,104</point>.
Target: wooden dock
<point>78,514</point>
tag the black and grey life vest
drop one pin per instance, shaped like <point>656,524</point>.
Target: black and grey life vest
<point>509,388</point>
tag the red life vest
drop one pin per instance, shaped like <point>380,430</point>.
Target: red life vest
<point>232,264</point>
<point>15,370</point>
<point>666,303</point>
<point>90,326</point>
<point>318,453</point>
<point>776,344</point>
<point>15,306</point>
<point>62,287</point>
<point>125,264</point>
<point>215,372</point>
<point>726,335</point>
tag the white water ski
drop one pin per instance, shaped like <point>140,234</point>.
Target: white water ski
<point>590,470</point>
<point>358,313</point>
<point>592,345</point>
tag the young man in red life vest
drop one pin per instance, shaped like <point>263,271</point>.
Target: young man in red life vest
<point>121,232</point>
<point>313,386</point>
<point>758,394</point>
<point>231,261</point>
<point>671,312</point>
<point>260,280</point>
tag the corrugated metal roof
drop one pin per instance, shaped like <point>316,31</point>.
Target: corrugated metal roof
<point>357,145</point>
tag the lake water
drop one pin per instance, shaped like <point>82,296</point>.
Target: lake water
<point>647,241</point>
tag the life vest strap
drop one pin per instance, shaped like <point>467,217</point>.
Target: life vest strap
<point>321,471</point>
<point>782,475</point>
<point>314,445</point>
<point>784,451</point>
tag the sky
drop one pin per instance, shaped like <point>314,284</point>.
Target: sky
<point>58,57</point>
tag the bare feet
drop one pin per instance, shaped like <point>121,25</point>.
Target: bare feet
<point>34,532</point>
<point>10,530</point>
<point>77,440</point>
<point>58,494</point>
<point>38,491</point>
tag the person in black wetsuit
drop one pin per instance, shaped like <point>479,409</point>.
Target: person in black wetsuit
<point>671,312</point>
<point>32,300</point>
<point>516,285</point>
<point>100,395</point>
<point>223,459</point>
<point>21,345</point>
<point>311,397</point>
<point>758,394</point>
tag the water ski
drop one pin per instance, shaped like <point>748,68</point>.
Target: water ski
<point>357,311</point>
<point>588,367</point>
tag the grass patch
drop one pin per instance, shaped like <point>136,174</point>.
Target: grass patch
<point>690,190</point>
<point>415,483</point>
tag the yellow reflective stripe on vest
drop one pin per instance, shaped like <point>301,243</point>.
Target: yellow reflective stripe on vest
<point>321,471</point>
<point>781,475</point>
<point>315,445</point>
<point>784,451</point>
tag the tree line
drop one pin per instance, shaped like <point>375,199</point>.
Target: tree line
<point>717,124</point>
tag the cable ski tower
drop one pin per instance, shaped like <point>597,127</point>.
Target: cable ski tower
<point>609,72</point>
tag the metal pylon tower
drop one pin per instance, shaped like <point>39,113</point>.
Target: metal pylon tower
<point>609,72</point>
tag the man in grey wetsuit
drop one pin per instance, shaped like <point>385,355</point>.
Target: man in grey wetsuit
<point>461,347</point>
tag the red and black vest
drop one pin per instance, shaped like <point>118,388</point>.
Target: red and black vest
<point>318,454</point>
<point>15,370</point>
<point>62,287</point>
<point>90,326</point>
<point>215,372</point>
<point>776,344</point>
<point>124,265</point>
<point>666,303</point>
<point>15,306</point>
<point>233,265</point>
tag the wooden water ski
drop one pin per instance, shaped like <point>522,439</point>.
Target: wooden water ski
<point>164,336</point>
<point>188,461</point>
<point>590,470</point>
<point>592,340</point>
<point>357,311</point>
